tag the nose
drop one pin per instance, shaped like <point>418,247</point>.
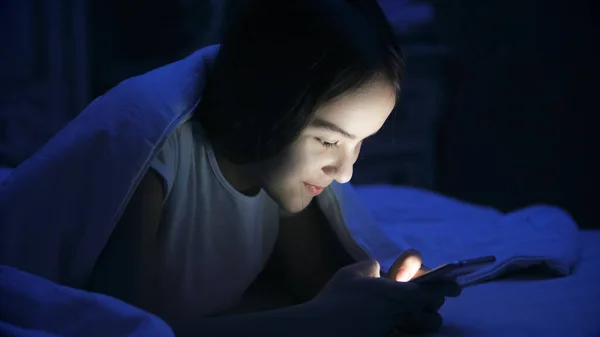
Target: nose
<point>342,170</point>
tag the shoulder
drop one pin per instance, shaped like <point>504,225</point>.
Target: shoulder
<point>176,148</point>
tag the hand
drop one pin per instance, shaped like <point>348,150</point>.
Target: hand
<point>358,302</point>
<point>407,267</point>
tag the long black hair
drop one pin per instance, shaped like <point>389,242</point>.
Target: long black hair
<point>279,60</point>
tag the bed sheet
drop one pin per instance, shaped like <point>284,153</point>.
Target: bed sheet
<point>515,306</point>
<point>522,306</point>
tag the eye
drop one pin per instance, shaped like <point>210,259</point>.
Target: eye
<point>327,144</point>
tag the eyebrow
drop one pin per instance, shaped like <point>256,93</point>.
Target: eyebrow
<point>323,124</point>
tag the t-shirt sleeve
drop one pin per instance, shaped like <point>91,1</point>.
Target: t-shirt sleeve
<point>165,162</point>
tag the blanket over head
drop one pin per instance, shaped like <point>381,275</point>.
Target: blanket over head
<point>59,207</point>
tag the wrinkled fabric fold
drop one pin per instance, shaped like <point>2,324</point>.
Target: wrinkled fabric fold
<point>59,207</point>
<point>34,306</point>
<point>444,230</point>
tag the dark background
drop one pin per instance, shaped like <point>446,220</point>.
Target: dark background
<point>499,104</point>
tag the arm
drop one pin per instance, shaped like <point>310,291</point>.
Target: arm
<point>129,264</point>
<point>308,252</point>
<point>295,321</point>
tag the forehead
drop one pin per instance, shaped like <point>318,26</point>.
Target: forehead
<point>361,112</point>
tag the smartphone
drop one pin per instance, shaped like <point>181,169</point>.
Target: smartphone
<point>451,271</point>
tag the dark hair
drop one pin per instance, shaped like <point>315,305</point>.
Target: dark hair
<point>280,60</point>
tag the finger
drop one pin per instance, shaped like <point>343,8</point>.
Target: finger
<point>426,322</point>
<point>453,289</point>
<point>420,272</point>
<point>369,268</point>
<point>405,266</point>
<point>443,288</point>
<point>435,304</point>
<point>407,297</point>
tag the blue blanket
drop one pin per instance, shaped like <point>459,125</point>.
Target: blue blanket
<point>33,306</point>
<point>59,207</point>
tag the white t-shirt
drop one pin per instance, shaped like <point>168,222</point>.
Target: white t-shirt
<point>214,240</point>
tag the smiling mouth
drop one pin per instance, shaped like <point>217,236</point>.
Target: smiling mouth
<point>314,190</point>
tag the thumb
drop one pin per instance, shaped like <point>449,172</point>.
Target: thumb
<point>406,266</point>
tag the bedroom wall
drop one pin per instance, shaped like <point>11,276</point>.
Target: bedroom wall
<point>522,97</point>
<point>43,72</point>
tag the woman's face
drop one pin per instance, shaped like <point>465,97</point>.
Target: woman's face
<point>327,148</point>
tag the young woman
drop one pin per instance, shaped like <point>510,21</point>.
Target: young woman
<point>295,88</point>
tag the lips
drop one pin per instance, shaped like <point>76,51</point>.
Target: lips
<point>314,190</point>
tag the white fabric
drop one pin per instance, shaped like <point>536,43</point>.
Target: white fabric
<point>215,239</point>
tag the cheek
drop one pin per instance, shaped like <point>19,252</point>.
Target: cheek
<point>356,152</point>
<point>302,159</point>
<point>289,163</point>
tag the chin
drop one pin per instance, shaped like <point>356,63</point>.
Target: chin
<point>294,205</point>
<point>290,200</point>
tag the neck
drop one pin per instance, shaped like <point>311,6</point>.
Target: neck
<point>238,176</point>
